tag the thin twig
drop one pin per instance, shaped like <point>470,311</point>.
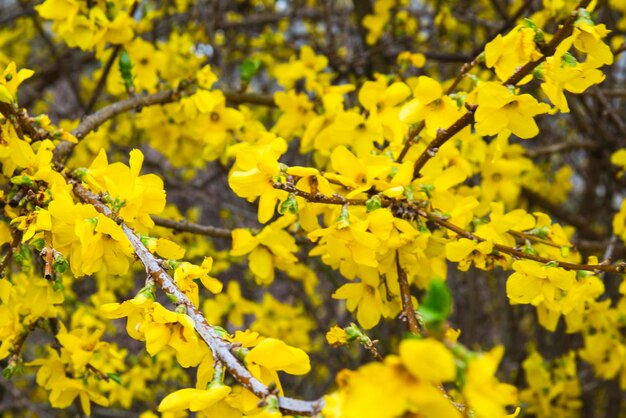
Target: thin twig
<point>185,226</point>
<point>443,135</point>
<point>580,223</point>
<point>107,69</point>
<point>408,310</point>
<point>609,109</point>
<point>209,230</point>
<point>221,349</point>
<point>17,238</point>
<point>93,121</point>
<point>560,147</point>
<point>443,222</point>
<point>596,268</point>
<point>250,98</point>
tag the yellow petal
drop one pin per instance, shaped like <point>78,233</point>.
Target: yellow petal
<point>428,359</point>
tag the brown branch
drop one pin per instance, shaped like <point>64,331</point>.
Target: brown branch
<point>107,69</point>
<point>596,268</point>
<point>444,135</point>
<point>93,121</point>
<point>99,373</point>
<point>408,310</point>
<point>60,61</point>
<point>16,15</point>
<point>609,109</point>
<point>560,147</point>
<point>17,238</point>
<point>409,207</point>
<point>607,92</point>
<point>208,230</point>
<point>18,344</point>
<point>47,253</point>
<point>23,123</point>
<point>529,237</point>
<point>185,226</point>
<point>320,198</point>
<point>221,349</point>
<point>414,134</point>
<point>581,224</point>
<point>250,98</point>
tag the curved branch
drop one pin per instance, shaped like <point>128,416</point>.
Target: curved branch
<point>95,120</point>
<point>596,268</point>
<point>445,134</point>
<point>408,310</point>
<point>408,207</point>
<point>221,349</point>
<point>184,226</point>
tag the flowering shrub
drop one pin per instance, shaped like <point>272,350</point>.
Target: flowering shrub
<point>335,209</point>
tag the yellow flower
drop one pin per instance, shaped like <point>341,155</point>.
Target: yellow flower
<point>383,104</point>
<point>588,39</point>
<point>428,359</point>
<point>336,336</point>
<point>365,299</point>
<point>147,61</point>
<point>532,279</point>
<point>618,158</point>
<point>58,9</point>
<point>485,395</point>
<point>415,59</point>
<point>275,355</point>
<point>464,251</point>
<point>119,30</point>
<point>270,248</point>
<point>562,72</point>
<point>90,240</point>
<point>63,390</point>
<point>500,109</point>
<point>508,53</point>
<point>254,173</point>
<point>361,393</point>
<point>193,399</point>
<point>11,80</point>
<point>297,111</point>
<point>186,273</point>
<point>308,67</point>
<point>149,321</point>
<point>425,91</point>
<point>133,196</point>
<point>375,23</point>
<point>230,303</point>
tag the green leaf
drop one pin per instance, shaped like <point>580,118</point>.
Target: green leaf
<point>373,203</point>
<point>437,305</point>
<point>248,69</point>
<point>126,70</point>
<point>60,264</point>
<point>541,232</point>
<point>584,17</point>
<point>530,24</point>
<point>528,249</point>
<point>23,180</point>
<point>344,219</point>
<point>115,377</point>
<point>428,189</point>
<point>568,60</point>
<point>290,204</point>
